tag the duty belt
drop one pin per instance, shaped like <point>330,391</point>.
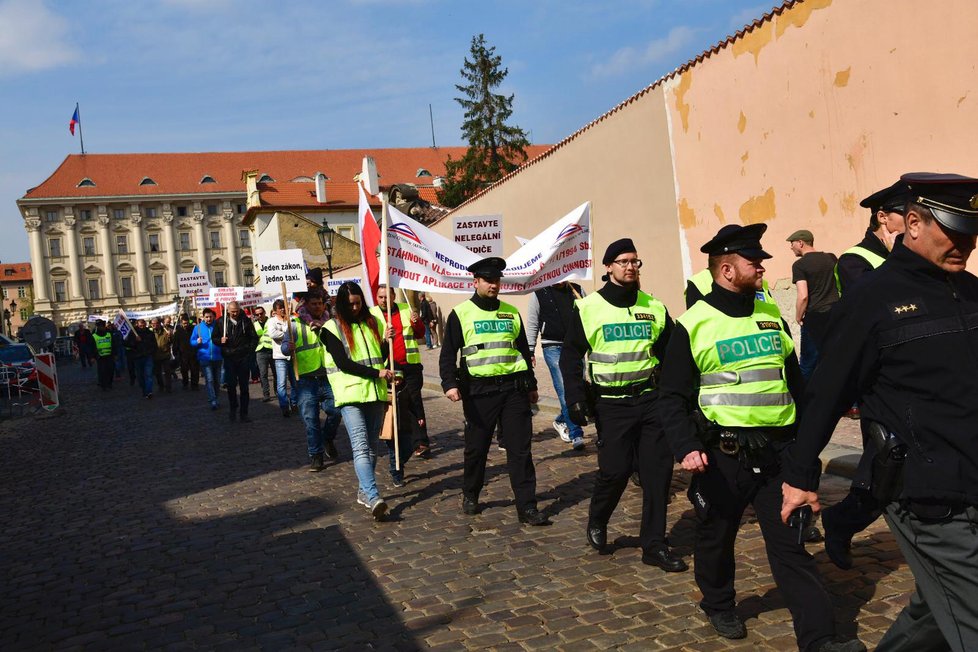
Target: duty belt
<point>628,390</point>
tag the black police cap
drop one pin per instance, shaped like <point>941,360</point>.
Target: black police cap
<point>488,268</point>
<point>952,198</point>
<point>892,199</point>
<point>736,239</point>
<point>616,248</point>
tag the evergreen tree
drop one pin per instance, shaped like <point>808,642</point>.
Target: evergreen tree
<point>495,148</point>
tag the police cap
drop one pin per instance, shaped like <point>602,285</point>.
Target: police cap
<point>488,268</point>
<point>616,248</point>
<point>892,199</point>
<point>736,239</point>
<point>952,198</point>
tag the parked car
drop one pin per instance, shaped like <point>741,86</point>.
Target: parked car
<point>20,359</point>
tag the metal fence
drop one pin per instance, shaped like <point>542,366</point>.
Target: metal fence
<point>20,391</point>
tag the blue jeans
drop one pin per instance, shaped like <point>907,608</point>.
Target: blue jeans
<point>144,373</point>
<point>120,361</point>
<point>551,354</point>
<point>314,394</point>
<point>212,378</point>
<point>363,423</point>
<point>809,353</point>
<point>283,370</point>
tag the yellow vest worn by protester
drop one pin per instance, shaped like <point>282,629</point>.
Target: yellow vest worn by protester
<point>410,344</point>
<point>309,351</point>
<point>741,365</point>
<point>264,339</point>
<point>347,388</point>
<point>489,339</point>
<point>874,260</point>
<point>621,340</point>
<point>703,281</point>
<point>103,344</point>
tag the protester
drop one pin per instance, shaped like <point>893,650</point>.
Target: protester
<point>208,355</point>
<point>236,336</point>
<point>277,328</point>
<point>263,353</point>
<point>143,344</point>
<point>119,348</point>
<point>427,316</point>
<point>161,357</point>
<point>84,344</point>
<point>185,354</point>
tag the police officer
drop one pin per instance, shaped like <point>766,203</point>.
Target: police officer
<point>910,358</point>
<point>104,354</point>
<point>859,509</point>
<point>701,283</point>
<point>495,382</point>
<point>623,331</point>
<point>728,387</point>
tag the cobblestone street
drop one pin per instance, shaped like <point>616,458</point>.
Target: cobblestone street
<point>157,524</point>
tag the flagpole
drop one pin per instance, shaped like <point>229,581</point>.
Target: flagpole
<point>81,138</point>
<point>391,295</point>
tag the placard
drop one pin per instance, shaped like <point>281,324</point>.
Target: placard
<point>480,234</point>
<point>193,284</point>
<point>226,295</point>
<point>282,266</point>
<point>333,284</point>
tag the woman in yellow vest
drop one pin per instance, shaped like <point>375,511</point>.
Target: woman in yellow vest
<point>355,354</point>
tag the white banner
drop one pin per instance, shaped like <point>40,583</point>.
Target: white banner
<point>282,266</point>
<point>421,259</point>
<point>193,284</point>
<point>226,294</point>
<point>140,314</point>
<point>480,234</point>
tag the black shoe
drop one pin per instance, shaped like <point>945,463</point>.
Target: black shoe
<point>812,534</point>
<point>597,536</point>
<point>316,463</point>
<point>728,625</point>
<point>532,516</point>
<point>245,418</point>
<point>285,412</point>
<point>636,479</point>
<point>664,559</point>
<point>331,452</point>
<point>232,415</point>
<point>851,645</point>
<point>470,506</point>
<point>837,546</point>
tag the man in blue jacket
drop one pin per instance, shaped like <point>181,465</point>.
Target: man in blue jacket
<point>208,355</point>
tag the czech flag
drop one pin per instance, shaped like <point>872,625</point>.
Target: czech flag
<point>74,120</point>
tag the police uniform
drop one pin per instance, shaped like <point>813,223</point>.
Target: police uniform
<point>858,510</point>
<point>494,377</point>
<point>624,332</point>
<point>700,284</point>
<point>911,330</point>
<point>104,362</point>
<point>732,357</point>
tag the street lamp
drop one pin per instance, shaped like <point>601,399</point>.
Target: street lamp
<point>326,235</point>
<point>6,317</point>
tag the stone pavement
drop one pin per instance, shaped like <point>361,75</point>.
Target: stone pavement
<point>133,524</point>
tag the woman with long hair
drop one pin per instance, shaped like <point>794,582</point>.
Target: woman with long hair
<point>278,329</point>
<point>355,343</point>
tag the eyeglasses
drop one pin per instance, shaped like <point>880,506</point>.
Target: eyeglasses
<point>636,263</point>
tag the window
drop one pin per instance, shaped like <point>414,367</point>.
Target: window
<point>122,244</point>
<point>212,209</point>
<point>219,279</point>
<point>51,216</point>
<point>158,284</point>
<point>241,208</point>
<point>89,245</point>
<point>346,232</point>
<point>150,212</point>
<point>154,242</point>
<point>86,215</point>
<point>147,182</point>
<point>207,179</point>
<point>265,179</point>
<point>86,183</point>
<point>54,247</point>
<point>126,286</point>
<point>215,239</point>
<point>181,211</point>
<point>249,276</point>
<point>118,213</point>
<point>93,289</point>
<point>21,292</point>
<point>59,291</point>
<point>184,241</point>
<point>245,237</point>
<point>23,314</point>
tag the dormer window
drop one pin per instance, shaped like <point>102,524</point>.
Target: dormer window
<point>265,179</point>
<point>422,173</point>
<point>147,182</point>
<point>207,179</point>
<point>303,180</point>
<point>86,183</point>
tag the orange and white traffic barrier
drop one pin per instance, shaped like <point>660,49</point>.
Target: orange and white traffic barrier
<point>47,380</point>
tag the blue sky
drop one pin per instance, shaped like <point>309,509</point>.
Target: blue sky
<point>226,75</point>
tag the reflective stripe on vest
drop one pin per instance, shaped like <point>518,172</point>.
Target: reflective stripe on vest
<point>703,281</point>
<point>264,339</point>
<point>741,364</point>
<point>103,344</point>
<point>489,339</point>
<point>412,353</point>
<point>309,351</point>
<point>621,339</point>
<point>348,388</point>
<point>874,260</point>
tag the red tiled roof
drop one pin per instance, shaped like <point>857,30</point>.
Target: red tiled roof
<point>121,174</point>
<point>706,54</point>
<point>15,272</point>
<point>338,195</point>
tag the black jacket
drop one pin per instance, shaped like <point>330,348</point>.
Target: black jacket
<point>145,346</point>
<point>242,338</point>
<point>904,343</point>
<point>679,380</point>
<point>852,266</point>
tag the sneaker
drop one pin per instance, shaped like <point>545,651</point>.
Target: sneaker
<point>397,479</point>
<point>286,412</point>
<point>578,443</point>
<point>362,499</point>
<point>316,463</point>
<point>331,452</point>
<point>423,451</point>
<point>378,508</point>
<point>563,431</point>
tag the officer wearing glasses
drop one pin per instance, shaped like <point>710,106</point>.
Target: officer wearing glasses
<point>624,332</point>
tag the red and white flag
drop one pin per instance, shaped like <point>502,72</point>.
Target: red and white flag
<point>369,241</point>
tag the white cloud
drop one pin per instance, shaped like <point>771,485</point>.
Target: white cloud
<point>32,38</point>
<point>628,59</point>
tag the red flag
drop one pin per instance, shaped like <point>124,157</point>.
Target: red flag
<point>369,241</point>
<point>74,120</point>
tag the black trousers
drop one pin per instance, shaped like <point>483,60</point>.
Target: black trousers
<point>105,369</point>
<point>190,370</point>
<point>632,436</point>
<point>729,486</point>
<point>413,405</point>
<point>858,510</point>
<point>238,372</point>
<point>482,411</point>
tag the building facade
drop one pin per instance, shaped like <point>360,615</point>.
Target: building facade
<point>16,297</point>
